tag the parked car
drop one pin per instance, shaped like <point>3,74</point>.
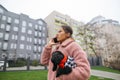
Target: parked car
<point>2,64</point>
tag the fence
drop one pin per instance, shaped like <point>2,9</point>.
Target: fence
<point>21,64</point>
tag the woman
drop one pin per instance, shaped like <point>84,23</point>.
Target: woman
<point>69,47</point>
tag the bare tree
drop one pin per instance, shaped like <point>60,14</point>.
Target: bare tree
<point>87,36</point>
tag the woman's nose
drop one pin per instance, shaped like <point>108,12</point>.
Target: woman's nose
<point>57,35</point>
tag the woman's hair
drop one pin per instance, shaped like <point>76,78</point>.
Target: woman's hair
<point>68,29</point>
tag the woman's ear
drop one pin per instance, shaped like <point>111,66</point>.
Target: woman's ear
<point>68,35</point>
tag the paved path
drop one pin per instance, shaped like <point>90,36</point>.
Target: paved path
<point>24,68</point>
<point>105,74</point>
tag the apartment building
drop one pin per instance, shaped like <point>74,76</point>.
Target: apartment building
<point>55,19</point>
<point>20,35</point>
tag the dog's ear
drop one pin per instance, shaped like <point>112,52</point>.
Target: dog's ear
<point>54,67</point>
<point>54,63</point>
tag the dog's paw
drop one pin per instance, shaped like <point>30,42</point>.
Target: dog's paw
<point>59,72</point>
<point>62,71</point>
<point>67,70</point>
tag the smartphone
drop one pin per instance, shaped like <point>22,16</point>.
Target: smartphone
<point>55,40</point>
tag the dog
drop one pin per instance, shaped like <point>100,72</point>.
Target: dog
<point>62,63</point>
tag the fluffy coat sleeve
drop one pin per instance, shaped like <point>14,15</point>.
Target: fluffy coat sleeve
<point>82,70</point>
<point>45,56</point>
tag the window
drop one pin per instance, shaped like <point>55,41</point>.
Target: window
<point>40,22</point>
<point>21,46</point>
<point>39,49</point>
<point>3,18</point>
<point>35,48</point>
<point>30,39</point>
<point>0,45</point>
<point>22,38</point>
<point>13,46</point>
<point>1,35</point>
<point>14,37</point>
<point>1,10</point>
<point>28,47</point>
<point>8,28</point>
<point>29,32</point>
<point>15,28</point>
<point>6,36</point>
<point>24,23</point>
<point>43,28</point>
<point>35,41</point>
<point>40,27</point>
<point>35,33</point>
<point>30,24</point>
<point>16,21</point>
<point>39,34</point>
<point>43,34</point>
<point>39,41</point>
<point>43,41</point>
<point>23,30</point>
<point>5,45</point>
<point>9,20</point>
<point>2,26</point>
<point>36,27</point>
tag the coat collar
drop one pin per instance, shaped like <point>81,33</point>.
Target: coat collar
<point>67,41</point>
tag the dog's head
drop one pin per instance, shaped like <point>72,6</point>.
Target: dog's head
<point>57,56</point>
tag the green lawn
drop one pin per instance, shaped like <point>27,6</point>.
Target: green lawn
<point>24,75</point>
<point>33,75</point>
<point>98,78</point>
<point>105,69</point>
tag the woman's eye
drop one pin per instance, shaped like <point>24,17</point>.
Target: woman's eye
<point>60,31</point>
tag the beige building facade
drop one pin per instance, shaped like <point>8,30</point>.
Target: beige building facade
<point>55,19</point>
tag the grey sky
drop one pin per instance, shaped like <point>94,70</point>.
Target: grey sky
<point>81,10</point>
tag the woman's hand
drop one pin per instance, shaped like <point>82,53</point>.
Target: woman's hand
<point>51,43</point>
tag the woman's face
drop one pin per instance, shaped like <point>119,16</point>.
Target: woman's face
<point>62,35</point>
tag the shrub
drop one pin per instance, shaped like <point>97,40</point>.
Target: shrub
<point>35,63</point>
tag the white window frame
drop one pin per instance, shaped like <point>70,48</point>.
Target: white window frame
<point>36,33</point>
<point>29,31</point>
<point>4,18</point>
<point>6,36</point>
<point>1,10</point>
<point>8,28</point>
<point>15,28</point>
<point>23,30</point>
<point>30,25</point>
<point>5,46</point>
<point>22,46</point>
<point>22,38</point>
<point>9,20</point>
<point>16,21</point>
<point>35,40</point>
<point>36,27</point>
<point>24,23</point>
<point>1,35</point>
<point>2,26</point>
